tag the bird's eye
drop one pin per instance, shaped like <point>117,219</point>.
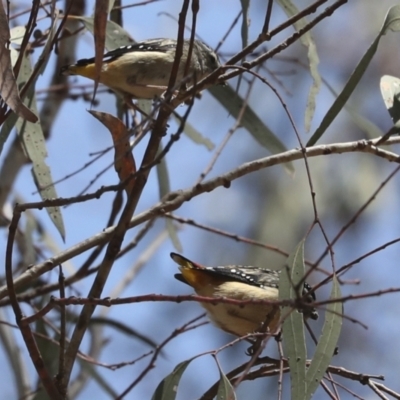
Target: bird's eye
<point>213,60</point>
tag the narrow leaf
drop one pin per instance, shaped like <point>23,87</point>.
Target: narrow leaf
<point>124,163</point>
<point>225,388</point>
<point>25,71</point>
<point>364,124</point>
<point>46,341</point>
<point>193,134</point>
<point>34,145</point>
<point>145,106</point>
<point>327,342</point>
<point>165,188</point>
<point>123,328</point>
<point>44,56</point>
<point>307,41</point>
<point>116,36</point>
<point>390,90</point>
<point>345,94</point>
<point>245,5</point>
<point>100,22</point>
<point>244,33</point>
<point>293,326</point>
<point>17,35</point>
<point>391,22</point>
<point>110,6</point>
<point>8,84</point>
<point>234,104</point>
<point>168,387</point>
<point>96,376</point>
<point>371,130</point>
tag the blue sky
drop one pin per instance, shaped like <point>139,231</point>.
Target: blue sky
<point>270,205</point>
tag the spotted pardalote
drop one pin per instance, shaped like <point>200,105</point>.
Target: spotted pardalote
<point>239,283</point>
<point>142,70</point>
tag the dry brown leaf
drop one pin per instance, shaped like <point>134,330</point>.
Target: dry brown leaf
<point>124,163</point>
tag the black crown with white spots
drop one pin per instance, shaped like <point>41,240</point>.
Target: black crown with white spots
<point>151,45</point>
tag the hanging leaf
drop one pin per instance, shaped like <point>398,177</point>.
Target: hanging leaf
<point>193,134</point>
<point>116,36</point>
<point>307,41</point>
<point>165,188</point>
<point>293,326</point>
<point>34,145</point>
<point>168,387</point>
<point>390,90</point>
<point>100,23</point>
<point>225,388</point>
<point>250,121</point>
<point>124,163</point>
<point>391,22</point>
<point>327,342</point>
<point>8,84</point>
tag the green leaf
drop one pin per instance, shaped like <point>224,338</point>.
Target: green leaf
<point>391,22</point>
<point>164,188</point>
<point>116,36</point>
<point>345,94</point>
<point>123,328</point>
<point>46,340</point>
<point>327,342</point>
<point>293,326</point>
<point>97,377</point>
<point>28,250</point>
<point>31,134</point>
<point>145,106</point>
<point>12,119</point>
<point>364,124</point>
<point>17,35</point>
<point>225,388</point>
<point>9,90</point>
<point>244,33</point>
<point>371,130</point>
<point>193,134</point>
<point>307,41</point>
<point>245,4</point>
<point>390,90</point>
<point>234,104</point>
<point>6,129</point>
<point>45,54</point>
<point>34,145</point>
<point>168,387</point>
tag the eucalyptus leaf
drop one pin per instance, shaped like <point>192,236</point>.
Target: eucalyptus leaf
<point>294,341</point>
<point>168,387</point>
<point>392,23</point>
<point>327,342</point>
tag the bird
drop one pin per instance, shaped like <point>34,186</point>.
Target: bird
<point>239,283</point>
<point>142,70</point>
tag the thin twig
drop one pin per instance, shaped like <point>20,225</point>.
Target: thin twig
<point>175,199</point>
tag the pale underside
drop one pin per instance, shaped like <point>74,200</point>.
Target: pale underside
<point>241,320</point>
<point>153,75</point>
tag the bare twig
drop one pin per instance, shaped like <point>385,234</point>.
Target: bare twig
<point>176,199</point>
